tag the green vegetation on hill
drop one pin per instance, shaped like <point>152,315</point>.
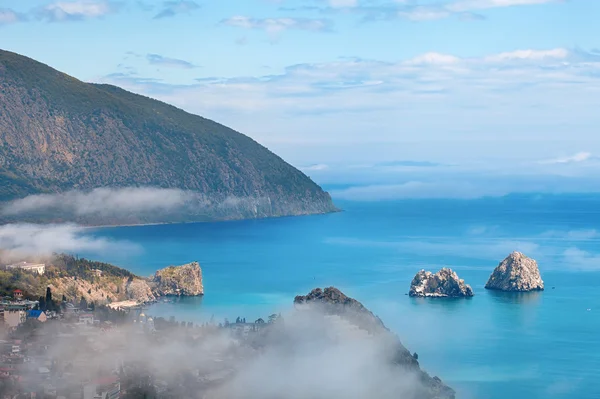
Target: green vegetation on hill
<point>58,133</point>
<point>68,265</point>
<point>60,271</point>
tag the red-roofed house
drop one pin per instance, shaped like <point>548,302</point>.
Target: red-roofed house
<point>18,294</point>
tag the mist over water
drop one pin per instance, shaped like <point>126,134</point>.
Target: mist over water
<point>493,346</point>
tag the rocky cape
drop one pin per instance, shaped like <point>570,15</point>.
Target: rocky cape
<point>333,302</point>
<point>185,280</point>
<point>517,273</point>
<point>102,283</point>
<point>443,284</point>
<point>59,134</point>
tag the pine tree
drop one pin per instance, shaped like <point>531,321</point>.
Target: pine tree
<point>42,303</point>
<point>49,303</point>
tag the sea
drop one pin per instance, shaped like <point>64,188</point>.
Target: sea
<point>492,346</point>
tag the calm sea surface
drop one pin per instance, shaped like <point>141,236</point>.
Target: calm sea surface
<point>493,346</point>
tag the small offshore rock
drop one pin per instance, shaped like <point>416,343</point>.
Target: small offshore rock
<point>443,284</point>
<point>516,273</point>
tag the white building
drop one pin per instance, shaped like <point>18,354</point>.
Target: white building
<point>86,318</point>
<point>38,268</point>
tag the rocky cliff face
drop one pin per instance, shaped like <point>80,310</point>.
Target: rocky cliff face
<point>102,290</point>
<point>444,283</point>
<point>59,134</point>
<point>185,280</point>
<point>333,302</point>
<point>516,273</point>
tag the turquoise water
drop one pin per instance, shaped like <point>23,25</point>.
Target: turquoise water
<point>493,346</point>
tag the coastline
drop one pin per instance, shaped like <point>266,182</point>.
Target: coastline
<point>107,226</point>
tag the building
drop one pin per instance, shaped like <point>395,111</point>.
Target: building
<point>86,318</point>
<point>103,388</point>
<point>37,315</point>
<point>14,318</point>
<point>38,268</point>
<point>18,294</point>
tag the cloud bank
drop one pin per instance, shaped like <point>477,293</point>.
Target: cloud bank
<point>501,103</point>
<point>31,241</point>
<point>102,201</point>
<point>308,354</point>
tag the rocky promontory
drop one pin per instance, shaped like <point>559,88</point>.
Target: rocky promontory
<point>185,280</point>
<point>517,273</point>
<point>334,303</point>
<point>443,284</point>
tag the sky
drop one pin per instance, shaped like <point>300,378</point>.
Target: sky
<point>408,97</point>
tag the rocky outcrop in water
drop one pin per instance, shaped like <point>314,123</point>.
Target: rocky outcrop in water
<point>185,280</point>
<point>518,273</point>
<point>443,284</point>
<point>333,302</point>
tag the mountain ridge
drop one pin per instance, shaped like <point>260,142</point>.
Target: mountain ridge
<point>58,133</point>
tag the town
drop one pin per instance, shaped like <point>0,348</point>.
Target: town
<point>54,348</point>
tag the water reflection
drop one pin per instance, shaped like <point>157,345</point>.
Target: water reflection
<point>446,303</point>
<point>517,298</point>
<point>186,307</point>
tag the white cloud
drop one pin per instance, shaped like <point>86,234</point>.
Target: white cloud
<point>417,189</point>
<point>343,3</point>
<point>156,59</point>
<point>315,167</point>
<point>577,259</point>
<point>8,16</point>
<point>501,103</point>
<point>469,5</point>
<point>102,201</point>
<point>534,55</point>
<point>25,241</point>
<point>579,157</point>
<point>424,13</point>
<point>433,58</point>
<point>172,8</point>
<point>76,10</point>
<point>277,25</point>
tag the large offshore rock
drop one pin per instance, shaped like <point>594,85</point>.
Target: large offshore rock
<point>443,284</point>
<point>518,273</point>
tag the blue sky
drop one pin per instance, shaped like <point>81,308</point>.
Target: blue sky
<point>495,93</point>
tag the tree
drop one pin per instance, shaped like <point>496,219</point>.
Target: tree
<point>83,303</point>
<point>64,298</point>
<point>93,306</point>
<point>273,318</point>
<point>237,320</point>
<point>49,302</point>
<point>42,303</point>
<point>260,321</point>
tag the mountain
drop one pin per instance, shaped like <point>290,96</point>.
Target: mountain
<point>59,134</point>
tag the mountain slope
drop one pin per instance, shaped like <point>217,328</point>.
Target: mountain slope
<point>58,134</point>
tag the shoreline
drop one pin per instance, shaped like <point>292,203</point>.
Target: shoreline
<point>107,226</point>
